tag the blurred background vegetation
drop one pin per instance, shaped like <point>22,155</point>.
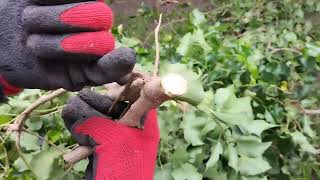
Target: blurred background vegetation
<point>259,62</point>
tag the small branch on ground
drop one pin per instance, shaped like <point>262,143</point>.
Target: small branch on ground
<point>311,111</point>
<point>168,2</point>
<point>20,120</point>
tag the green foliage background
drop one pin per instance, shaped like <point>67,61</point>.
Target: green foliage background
<point>259,64</point>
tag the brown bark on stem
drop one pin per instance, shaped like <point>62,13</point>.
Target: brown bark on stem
<point>78,154</point>
<point>151,96</point>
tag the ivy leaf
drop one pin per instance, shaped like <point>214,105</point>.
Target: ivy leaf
<point>20,165</point>
<point>252,148</point>
<point>252,166</point>
<point>197,155</point>
<point>186,172</point>
<point>232,157</point>
<point>180,156</point>
<point>232,110</point>
<point>42,163</point>
<point>130,42</point>
<point>215,173</point>
<point>191,39</point>
<point>166,126</point>
<point>224,98</point>
<point>216,151</point>
<point>256,127</point>
<point>269,117</point>
<point>192,128</point>
<point>185,43</point>
<point>34,124</point>
<point>254,178</point>
<point>163,172</point>
<point>299,139</point>
<point>197,18</point>
<point>81,166</point>
<point>290,36</point>
<point>29,142</point>
<point>195,91</point>
<point>307,127</point>
<point>208,102</point>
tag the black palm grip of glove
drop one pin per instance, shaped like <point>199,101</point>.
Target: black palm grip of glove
<point>50,44</point>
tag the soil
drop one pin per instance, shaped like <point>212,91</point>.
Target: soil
<point>125,9</point>
<point>142,15</point>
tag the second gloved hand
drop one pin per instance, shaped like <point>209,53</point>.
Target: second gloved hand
<point>50,44</point>
<point>121,152</point>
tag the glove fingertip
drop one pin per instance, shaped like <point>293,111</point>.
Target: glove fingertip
<point>118,63</point>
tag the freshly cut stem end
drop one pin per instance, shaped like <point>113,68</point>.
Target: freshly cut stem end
<point>174,84</point>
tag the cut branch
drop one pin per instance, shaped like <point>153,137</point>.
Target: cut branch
<point>19,122</point>
<point>311,111</point>
<point>78,154</point>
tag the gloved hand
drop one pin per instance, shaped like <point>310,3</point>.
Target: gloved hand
<point>48,44</point>
<point>121,152</point>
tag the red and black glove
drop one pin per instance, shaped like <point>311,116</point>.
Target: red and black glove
<point>121,152</point>
<point>48,44</point>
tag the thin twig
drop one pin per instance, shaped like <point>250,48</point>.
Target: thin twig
<point>118,99</point>
<point>286,49</point>
<point>19,122</point>
<point>157,60</point>
<point>311,111</point>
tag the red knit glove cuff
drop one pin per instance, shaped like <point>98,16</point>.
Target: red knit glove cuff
<point>8,89</point>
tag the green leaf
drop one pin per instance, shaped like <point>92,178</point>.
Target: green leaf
<point>269,117</point>
<point>252,166</point>
<point>232,157</point>
<point>224,98</point>
<point>29,142</point>
<point>42,163</point>
<point>313,50</point>
<point>197,155</point>
<point>186,172</point>
<point>216,151</point>
<point>195,92</point>
<point>187,43</point>
<point>252,148</point>
<point>34,124</point>
<point>20,165</point>
<point>290,36</point>
<point>307,127</point>
<point>163,173</point>
<point>207,103</point>
<point>180,156</point>
<point>254,178</point>
<point>299,139</point>
<point>214,173</point>
<point>81,166</point>
<point>130,42</point>
<point>192,126</point>
<point>53,135</point>
<point>197,18</point>
<point>256,127</point>
<point>232,110</point>
<point>4,119</point>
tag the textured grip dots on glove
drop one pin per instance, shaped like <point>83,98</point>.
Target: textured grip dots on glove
<point>123,153</point>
